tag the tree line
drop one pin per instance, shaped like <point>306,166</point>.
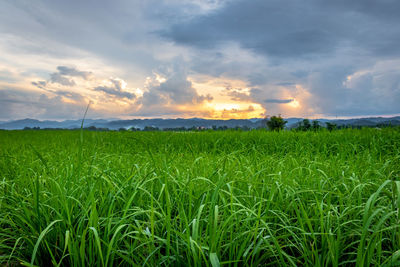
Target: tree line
<point>273,123</point>
<point>277,123</point>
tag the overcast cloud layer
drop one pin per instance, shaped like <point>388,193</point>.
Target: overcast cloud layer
<point>192,58</point>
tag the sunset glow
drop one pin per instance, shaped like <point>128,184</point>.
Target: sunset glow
<point>294,104</point>
<point>137,62</point>
<point>199,132</point>
<point>235,110</point>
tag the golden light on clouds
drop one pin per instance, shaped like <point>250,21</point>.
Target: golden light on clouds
<point>235,110</point>
<point>228,98</point>
<point>294,104</point>
<point>159,78</point>
<point>222,106</point>
<point>139,92</point>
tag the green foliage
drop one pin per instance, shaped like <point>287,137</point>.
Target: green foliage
<point>150,128</point>
<point>315,125</point>
<point>304,125</point>
<point>330,126</point>
<point>206,198</point>
<point>276,123</point>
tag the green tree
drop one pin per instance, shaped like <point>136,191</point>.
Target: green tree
<point>315,125</point>
<point>304,125</point>
<point>276,123</point>
<point>330,126</point>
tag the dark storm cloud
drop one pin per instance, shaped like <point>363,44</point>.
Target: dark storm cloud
<point>278,101</point>
<point>290,28</point>
<point>372,92</point>
<point>313,44</point>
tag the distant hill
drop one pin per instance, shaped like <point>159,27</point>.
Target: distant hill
<point>372,121</point>
<point>187,123</point>
<point>67,124</point>
<point>137,123</point>
<point>356,122</point>
<point>175,123</point>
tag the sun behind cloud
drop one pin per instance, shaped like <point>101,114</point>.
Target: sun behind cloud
<point>294,104</point>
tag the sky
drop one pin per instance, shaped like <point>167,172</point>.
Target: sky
<point>211,59</point>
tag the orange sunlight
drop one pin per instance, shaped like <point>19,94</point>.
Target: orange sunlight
<point>294,104</point>
<point>235,110</point>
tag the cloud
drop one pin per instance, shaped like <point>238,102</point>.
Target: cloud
<point>73,72</point>
<point>20,104</point>
<point>115,89</point>
<point>372,91</point>
<point>109,96</point>
<point>60,79</point>
<point>289,28</point>
<point>302,51</point>
<point>278,49</point>
<point>238,94</point>
<point>75,97</point>
<point>174,89</point>
<point>64,74</point>
<point>237,113</point>
<point>286,84</point>
<point>169,92</point>
<point>278,101</point>
<point>39,84</point>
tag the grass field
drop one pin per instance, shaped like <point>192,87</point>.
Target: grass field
<point>228,198</point>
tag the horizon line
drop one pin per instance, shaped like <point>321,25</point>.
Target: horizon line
<point>224,119</point>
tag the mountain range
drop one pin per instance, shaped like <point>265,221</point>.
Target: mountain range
<point>115,124</point>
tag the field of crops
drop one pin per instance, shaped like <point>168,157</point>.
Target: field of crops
<point>225,198</point>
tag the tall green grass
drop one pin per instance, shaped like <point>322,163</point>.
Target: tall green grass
<point>200,199</point>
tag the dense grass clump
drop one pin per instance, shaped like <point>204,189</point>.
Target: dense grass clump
<point>200,198</point>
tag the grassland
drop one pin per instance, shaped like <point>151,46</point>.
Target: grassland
<point>227,198</point>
